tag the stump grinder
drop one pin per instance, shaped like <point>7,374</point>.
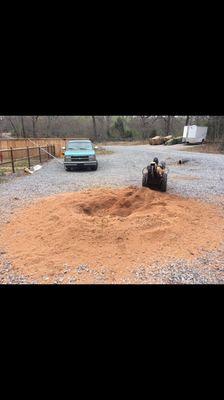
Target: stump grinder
<point>154,176</point>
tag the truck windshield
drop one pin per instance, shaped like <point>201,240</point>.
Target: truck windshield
<point>80,146</point>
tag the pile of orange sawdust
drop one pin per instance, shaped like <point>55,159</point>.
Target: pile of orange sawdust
<point>116,229</point>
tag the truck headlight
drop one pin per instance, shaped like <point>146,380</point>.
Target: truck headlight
<point>67,158</point>
<point>92,158</point>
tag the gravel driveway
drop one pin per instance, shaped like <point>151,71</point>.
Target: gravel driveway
<point>201,177</point>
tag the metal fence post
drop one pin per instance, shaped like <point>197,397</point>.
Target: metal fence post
<point>12,160</point>
<point>39,154</point>
<point>48,152</point>
<point>28,156</point>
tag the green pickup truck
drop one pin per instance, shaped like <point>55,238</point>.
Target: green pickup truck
<point>80,153</point>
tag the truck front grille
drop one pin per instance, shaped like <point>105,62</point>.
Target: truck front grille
<point>79,158</point>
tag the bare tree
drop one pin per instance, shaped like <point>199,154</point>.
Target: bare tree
<point>101,127</point>
<point>94,127</point>
<point>23,132</point>
<point>187,120</point>
<point>10,119</point>
<point>168,119</point>
<point>216,128</point>
<point>51,119</point>
<point>144,119</point>
<point>108,125</point>
<point>34,122</point>
<point>147,124</point>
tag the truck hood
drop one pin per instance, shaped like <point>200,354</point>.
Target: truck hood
<point>79,153</point>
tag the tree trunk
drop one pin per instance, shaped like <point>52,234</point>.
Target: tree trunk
<point>168,121</point>
<point>49,125</point>
<point>13,126</point>
<point>218,128</point>
<point>187,120</point>
<point>23,127</point>
<point>94,127</point>
<point>108,122</point>
<point>143,119</point>
<point>34,127</point>
<point>34,121</point>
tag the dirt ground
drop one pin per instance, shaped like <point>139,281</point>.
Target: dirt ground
<point>205,148</point>
<point>118,229</point>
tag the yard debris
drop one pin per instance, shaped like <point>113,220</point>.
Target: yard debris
<point>156,140</point>
<point>36,168</point>
<point>160,139</point>
<point>183,161</point>
<point>28,171</point>
<point>175,140</point>
<point>166,138</point>
<point>32,169</point>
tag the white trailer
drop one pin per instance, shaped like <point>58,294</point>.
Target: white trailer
<point>194,134</point>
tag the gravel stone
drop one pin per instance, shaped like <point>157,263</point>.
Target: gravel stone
<point>200,178</point>
<point>82,268</point>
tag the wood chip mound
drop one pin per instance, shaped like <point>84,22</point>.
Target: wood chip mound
<point>117,229</point>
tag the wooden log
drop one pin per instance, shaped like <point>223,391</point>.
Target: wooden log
<point>183,161</point>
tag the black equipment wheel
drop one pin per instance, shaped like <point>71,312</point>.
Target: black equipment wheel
<point>163,186</point>
<point>144,180</point>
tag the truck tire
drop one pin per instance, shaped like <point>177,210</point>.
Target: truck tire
<point>163,186</point>
<point>94,168</point>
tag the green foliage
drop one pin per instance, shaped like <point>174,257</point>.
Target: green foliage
<point>115,128</point>
<point>221,147</point>
<point>103,151</point>
<point>203,123</point>
<point>119,125</point>
<point>136,134</point>
<point>121,131</point>
<point>128,134</point>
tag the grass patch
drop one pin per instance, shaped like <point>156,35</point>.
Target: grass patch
<point>103,151</point>
<point>6,169</point>
<point>3,174</point>
<point>3,171</point>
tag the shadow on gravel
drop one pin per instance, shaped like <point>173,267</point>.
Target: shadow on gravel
<point>79,171</point>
